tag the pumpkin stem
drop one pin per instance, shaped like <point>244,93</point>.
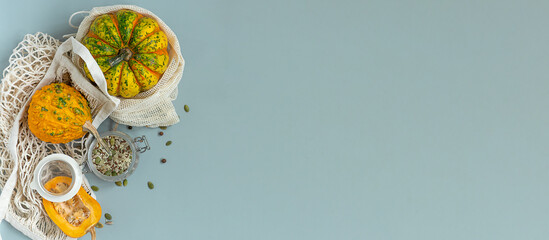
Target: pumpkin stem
<point>123,55</point>
<point>92,232</point>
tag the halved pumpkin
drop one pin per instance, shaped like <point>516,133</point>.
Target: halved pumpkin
<point>76,216</point>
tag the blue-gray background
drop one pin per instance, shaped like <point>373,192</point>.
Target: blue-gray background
<point>353,119</point>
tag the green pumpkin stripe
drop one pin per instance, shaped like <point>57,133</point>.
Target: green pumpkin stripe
<point>126,24</point>
<point>98,47</point>
<point>153,43</point>
<point>113,79</point>
<point>156,62</point>
<point>144,76</point>
<point>144,28</point>
<point>128,86</point>
<point>104,27</point>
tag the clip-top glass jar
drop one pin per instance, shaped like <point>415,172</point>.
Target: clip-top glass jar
<point>135,150</point>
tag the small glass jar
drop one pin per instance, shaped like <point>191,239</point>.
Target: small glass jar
<point>134,153</point>
<point>52,166</point>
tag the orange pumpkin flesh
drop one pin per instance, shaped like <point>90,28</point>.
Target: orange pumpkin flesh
<point>76,216</point>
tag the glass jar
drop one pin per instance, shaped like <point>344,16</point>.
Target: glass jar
<point>135,150</point>
<point>52,166</point>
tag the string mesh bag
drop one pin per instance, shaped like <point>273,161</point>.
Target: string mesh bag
<point>153,107</point>
<point>38,61</point>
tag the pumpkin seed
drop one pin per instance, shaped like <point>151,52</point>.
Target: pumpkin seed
<point>95,188</point>
<point>118,183</point>
<point>168,143</point>
<point>186,107</point>
<point>151,185</point>
<point>108,216</point>
<point>163,127</point>
<point>125,182</point>
<point>99,225</point>
<point>108,222</point>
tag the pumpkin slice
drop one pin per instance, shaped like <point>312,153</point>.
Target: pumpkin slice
<point>76,216</point>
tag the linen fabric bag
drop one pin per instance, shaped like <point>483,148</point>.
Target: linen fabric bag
<point>20,150</point>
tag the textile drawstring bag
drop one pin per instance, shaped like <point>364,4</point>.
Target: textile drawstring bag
<point>38,61</point>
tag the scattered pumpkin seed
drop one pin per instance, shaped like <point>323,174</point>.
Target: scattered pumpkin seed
<point>125,182</point>
<point>108,222</point>
<point>151,185</point>
<point>95,188</point>
<point>99,225</point>
<point>118,183</point>
<point>186,107</point>
<point>163,127</point>
<point>108,216</point>
<point>168,143</point>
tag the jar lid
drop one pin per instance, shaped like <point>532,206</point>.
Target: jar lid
<point>52,166</point>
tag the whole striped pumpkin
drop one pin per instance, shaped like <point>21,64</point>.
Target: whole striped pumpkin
<point>130,49</point>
